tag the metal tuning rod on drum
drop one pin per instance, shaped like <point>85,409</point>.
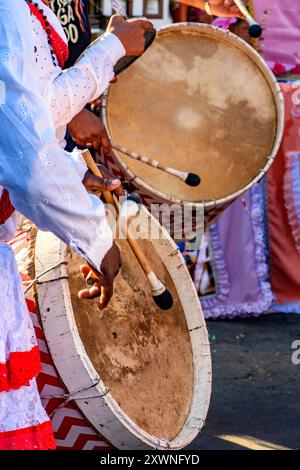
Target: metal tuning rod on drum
<point>160,294</point>
<point>255,30</point>
<point>191,179</point>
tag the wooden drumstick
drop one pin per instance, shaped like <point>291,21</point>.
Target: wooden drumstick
<point>160,294</point>
<point>255,30</point>
<point>189,178</point>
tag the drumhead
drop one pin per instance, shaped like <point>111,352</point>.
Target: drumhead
<point>142,354</point>
<point>200,100</point>
<point>140,375</point>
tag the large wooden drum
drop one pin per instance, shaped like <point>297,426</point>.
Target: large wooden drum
<point>140,375</point>
<point>201,100</point>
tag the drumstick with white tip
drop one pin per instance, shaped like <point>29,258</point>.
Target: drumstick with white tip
<point>160,294</point>
<point>255,30</point>
<point>189,178</point>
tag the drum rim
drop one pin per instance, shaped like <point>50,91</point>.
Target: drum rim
<point>50,251</point>
<point>279,103</point>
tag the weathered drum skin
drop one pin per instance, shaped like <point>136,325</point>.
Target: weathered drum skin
<point>201,100</point>
<point>140,375</point>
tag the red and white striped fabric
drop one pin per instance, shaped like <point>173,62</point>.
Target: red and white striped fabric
<point>71,430</point>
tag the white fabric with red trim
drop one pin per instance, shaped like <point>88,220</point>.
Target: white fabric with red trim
<point>21,408</point>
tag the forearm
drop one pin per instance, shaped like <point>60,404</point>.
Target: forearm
<point>216,7</point>
<point>194,3</point>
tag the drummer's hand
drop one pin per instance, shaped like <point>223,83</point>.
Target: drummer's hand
<point>87,128</point>
<point>94,183</point>
<point>103,286</point>
<point>224,8</point>
<point>130,33</point>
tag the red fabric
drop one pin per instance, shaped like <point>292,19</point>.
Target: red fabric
<point>60,48</point>
<point>19,369</point>
<point>6,207</point>
<point>38,437</point>
<point>284,258</point>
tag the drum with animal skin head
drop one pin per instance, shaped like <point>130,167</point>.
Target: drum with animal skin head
<point>140,375</point>
<point>201,100</point>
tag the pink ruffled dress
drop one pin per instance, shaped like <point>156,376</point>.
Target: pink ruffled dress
<point>280,44</point>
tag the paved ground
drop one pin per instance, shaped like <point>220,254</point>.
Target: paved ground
<point>256,387</point>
